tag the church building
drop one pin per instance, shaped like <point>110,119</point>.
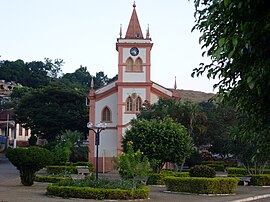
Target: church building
<point>117,103</point>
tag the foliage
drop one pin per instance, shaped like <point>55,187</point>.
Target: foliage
<point>243,172</point>
<point>51,179</point>
<point>97,193</point>
<point>194,159</point>
<point>202,171</point>
<point>160,140</point>
<point>132,164</point>
<point>158,178</point>
<point>55,170</point>
<point>248,148</point>
<point>52,109</point>
<point>217,165</point>
<point>202,185</point>
<point>260,180</point>
<point>33,74</point>
<point>62,151</point>
<point>221,121</point>
<point>79,154</point>
<point>240,60</point>
<point>28,161</point>
<point>32,140</point>
<point>101,183</point>
<point>188,114</point>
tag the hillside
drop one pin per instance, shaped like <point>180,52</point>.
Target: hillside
<point>195,96</point>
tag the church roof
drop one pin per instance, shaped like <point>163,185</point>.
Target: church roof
<point>134,29</point>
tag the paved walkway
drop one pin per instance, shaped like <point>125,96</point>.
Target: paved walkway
<point>11,190</point>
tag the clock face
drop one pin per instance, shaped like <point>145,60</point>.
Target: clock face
<point>134,51</point>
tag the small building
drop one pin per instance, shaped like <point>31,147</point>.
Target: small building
<point>119,102</point>
<point>12,130</point>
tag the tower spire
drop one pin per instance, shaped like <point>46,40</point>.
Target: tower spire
<point>120,33</point>
<point>175,85</point>
<point>134,29</point>
<point>147,32</point>
<point>92,83</point>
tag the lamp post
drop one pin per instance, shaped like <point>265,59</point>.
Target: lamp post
<point>96,129</point>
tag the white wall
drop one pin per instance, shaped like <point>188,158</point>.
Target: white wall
<point>108,143</point>
<point>111,102</point>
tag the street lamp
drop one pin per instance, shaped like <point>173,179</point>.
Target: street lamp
<point>96,129</point>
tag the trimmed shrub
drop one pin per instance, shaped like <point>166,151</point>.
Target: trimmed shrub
<point>28,161</point>
<point>232,172</point>
<point>260,180</point>
<point>201,185</point>
<point>97,193</point>
<point>237,172</point>
<point>158,179</point>
<point>202,171</point>
<point>217,167</point>
<point>51,179</point>
<point>213,162</point>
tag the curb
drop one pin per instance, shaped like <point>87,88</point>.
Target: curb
<point>253,198</point>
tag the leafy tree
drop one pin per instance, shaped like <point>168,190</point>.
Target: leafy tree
<point>132,164</point>
<point>160,140</point>
<point>236,35</point>
<point>221,121</point>
<point>188,114</point>
<point>52,109</point>
<point>28,161</point>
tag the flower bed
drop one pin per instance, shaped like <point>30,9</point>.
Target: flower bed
<point>201,185</point>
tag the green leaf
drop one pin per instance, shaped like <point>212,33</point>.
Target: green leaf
<point>250,82</point>
<point>235,42</point>
<point>221,42</point>
<point>227,2</point>
<point>231,54</point>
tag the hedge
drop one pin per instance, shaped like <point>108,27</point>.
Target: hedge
<point>97,193</point>
<point>217,165</point>
<point>52,179</point>
<point>232,172</point>
<point>158,178</point>
<point>260,180</point>
<point>201,185</point>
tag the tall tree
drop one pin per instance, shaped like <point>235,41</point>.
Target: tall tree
<point>236,35</point>
<point>52,109</point>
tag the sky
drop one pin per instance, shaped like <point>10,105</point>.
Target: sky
<point>84,32</point>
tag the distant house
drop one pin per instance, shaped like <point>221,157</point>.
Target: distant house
<point>6,89</point>
<point>10,129</point>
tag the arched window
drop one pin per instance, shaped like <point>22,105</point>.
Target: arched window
<point>138,103</point>
<point>129,64</point>
<point>129,104</point>
<point>138,64</point>
<point>106,115</point>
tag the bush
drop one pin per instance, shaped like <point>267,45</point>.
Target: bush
<point>202,171</point>
<point>158,179</point>
<point>217,167</point>
<point>51,179</point>
<point>232,172</point>
<point>237,172</point>
<point>79,154</point>
<point>260,180</point>
<point>28,161</point>
<point>201,185</point>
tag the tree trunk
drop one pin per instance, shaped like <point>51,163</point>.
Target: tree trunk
<point>27,176</point>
